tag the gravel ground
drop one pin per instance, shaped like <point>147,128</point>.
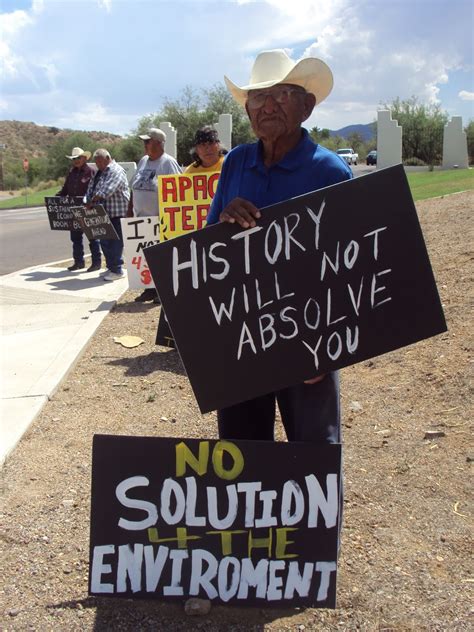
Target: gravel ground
<point>407,534</point>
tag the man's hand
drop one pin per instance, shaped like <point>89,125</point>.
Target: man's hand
<point>315,380</point>
<point>241,212</point>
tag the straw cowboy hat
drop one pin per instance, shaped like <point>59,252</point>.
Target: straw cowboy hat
<point>77,152</point>
<point>274,66</point>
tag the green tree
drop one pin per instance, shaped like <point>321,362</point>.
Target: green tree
<point>129,149</point>
<point>356,141</point>
<point>319,135</point>
<point>423,127</point>
<point>58,163</point>
<point>469,129</point>
<point>193,110</point>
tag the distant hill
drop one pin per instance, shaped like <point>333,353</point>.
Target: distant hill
<point>366,131</point>
<point>33,141</point>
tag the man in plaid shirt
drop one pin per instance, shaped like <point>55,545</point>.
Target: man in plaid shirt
<point>110,188</point>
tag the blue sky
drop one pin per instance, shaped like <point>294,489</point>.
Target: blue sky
<point>103,64</point>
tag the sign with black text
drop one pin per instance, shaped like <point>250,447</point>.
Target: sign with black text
<point>175,518</point>
<point>324,280</point>
<point>95,222</point>
<point>60,214</point>
<point>139,233</point>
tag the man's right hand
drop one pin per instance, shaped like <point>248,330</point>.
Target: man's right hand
<point>241,212</point>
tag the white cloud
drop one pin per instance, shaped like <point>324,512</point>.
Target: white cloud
<point>375,54</point>
<point>105,4</point>
<point>464,95</point>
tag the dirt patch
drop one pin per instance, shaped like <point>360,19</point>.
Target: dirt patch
<point>406,535</point>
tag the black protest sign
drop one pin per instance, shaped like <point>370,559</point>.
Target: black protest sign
<point>323,281</point>
<point>164,337</point>
<point>177,518</point>
<point>60,214</point>
<point>95,222</point>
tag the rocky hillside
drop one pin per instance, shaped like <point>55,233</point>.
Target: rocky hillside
<point>28,139</point>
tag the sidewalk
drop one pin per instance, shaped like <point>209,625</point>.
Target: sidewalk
<point>47,316</point>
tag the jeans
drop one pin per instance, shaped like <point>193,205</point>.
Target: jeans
<point>78,248</point>
<point>113,248</point>
<point>309,412</point>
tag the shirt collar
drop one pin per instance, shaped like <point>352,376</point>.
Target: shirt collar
<point>291,161</point>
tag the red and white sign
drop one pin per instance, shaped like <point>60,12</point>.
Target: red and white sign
<point>139,233</point>
<point>26,164</point>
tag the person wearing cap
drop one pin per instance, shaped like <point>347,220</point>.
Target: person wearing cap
<point>75,185</point>
<point>207,152</point>
<point>144,185</point>
<point>284,163</point>
<point>109,187</point>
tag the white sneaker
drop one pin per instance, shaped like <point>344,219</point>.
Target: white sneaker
<point>113,276</point>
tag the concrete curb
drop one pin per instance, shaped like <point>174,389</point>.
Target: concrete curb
<point>44,333</point>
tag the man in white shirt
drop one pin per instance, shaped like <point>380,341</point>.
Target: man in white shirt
<point>144,185</point>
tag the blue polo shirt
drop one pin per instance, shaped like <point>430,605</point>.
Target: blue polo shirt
<point>305,168</point>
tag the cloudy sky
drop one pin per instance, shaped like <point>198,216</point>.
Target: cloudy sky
<point>103,64</point>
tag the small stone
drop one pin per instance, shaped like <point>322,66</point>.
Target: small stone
<point>434,434</point>
<point>68,503</point>
<point>14,612</point>
<point>469,459</point>
<point>197,606</point>
<point>163,418</point>
<point>355,407</point>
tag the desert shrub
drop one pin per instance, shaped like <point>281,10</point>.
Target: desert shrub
<point>414,162</point>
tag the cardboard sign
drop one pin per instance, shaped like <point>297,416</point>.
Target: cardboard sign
<point>177,518</point>
<point>323,281</point>
<point>139,233</point>
<point>60,214</point>
<point>164,337</point>
<point>184,202</point>
<point>95,222</point>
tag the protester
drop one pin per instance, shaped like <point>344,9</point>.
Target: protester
<point>207,152</point>
<point>144,185</point>
<point>109,187</point>
<point>75,185</point>
<point>284,163</point>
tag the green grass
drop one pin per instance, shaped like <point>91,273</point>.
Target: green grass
<point>34,199</point>
<point>428,184</point>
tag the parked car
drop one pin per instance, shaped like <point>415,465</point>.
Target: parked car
<point>349,155</point>
<point>371,158</point>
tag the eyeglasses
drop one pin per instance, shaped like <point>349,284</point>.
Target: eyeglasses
<point>280,94</point>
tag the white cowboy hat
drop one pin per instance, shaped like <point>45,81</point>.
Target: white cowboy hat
<point>274,66</point>
<point>77,152</point>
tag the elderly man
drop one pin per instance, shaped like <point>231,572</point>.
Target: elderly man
<point>109,187</point>
<point>75,185</point>
<point>284,163</point>
<point>144,185</point>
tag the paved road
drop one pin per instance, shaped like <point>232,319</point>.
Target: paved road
<point>27,240</point>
